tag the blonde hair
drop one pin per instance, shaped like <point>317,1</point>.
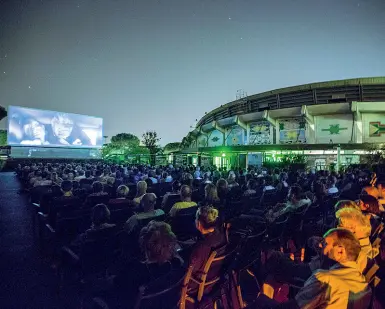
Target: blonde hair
<point>346,204</point>
<point>207,216</point>
<point>353,220</point>
<point>141,187</point>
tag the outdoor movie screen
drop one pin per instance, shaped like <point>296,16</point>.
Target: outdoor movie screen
<point>36,127</point>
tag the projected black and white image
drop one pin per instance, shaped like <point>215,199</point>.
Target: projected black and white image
<point>28,127</point>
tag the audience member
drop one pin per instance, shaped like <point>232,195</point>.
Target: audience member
<point>185,195</point>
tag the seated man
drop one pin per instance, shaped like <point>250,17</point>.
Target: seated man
<point>185,195</point>
<point>359,225</point>
<point>296,201</point>
<point>340,286</point>
<point>97,196</point>
<point>148,204</point>
<point>62,204</point>
<point>99,217</point>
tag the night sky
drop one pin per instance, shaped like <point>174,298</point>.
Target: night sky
<point>159,65</point>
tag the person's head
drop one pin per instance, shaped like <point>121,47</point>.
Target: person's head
<point>97,187</point>
<point>332,181</point>
<point>295,193</point>
<point>66,186</point>
<point>110,181</point>
<point>341,245</point>
<point>100,215</point>
<point>62,125</point>
<point>87,174</point>
<point>319,189</point>
<point>176,185</point>
<point>206,219</point>
<point>222,187</point>
<point>251,184</point>
<point>283,176</point>
<point>185,193</point>
<point>187,179</point>
<point>373,191</point>
<point>148,202</point>
<point>211,194</point>
<point>369,204</point>
<point>231,178</point>
<point>44,175</point>
<point>158,242</point>
<point>345,204</point>
<point>122,191</point>
<point>54,176</point>
<point>33,129</point>
<point>354,221</point>
<point>141,187</point>
<point>81,173</point>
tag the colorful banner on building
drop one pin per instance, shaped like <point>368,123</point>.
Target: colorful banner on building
<point>292,131</point>
<point>215,138</point>
<point>373,127</point>
<point>261,133</point>
<point>235,136</point>
<point>337,128</point>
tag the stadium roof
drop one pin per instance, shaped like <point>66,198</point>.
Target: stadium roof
<point>357,89</point>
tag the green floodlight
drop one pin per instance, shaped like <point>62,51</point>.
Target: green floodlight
<point>223,155</point>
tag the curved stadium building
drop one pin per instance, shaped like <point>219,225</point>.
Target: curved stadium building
<point>328,122</point>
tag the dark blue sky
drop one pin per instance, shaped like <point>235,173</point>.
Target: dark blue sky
<point>159,65</point>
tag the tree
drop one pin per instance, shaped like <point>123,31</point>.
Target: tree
<point>3,112</point>
<point>3,137</point>
<point>172,147</point>
<point>125,140</point>
<point>150,140</point>
<point>122,144</point>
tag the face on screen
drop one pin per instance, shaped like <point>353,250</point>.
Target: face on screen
<point>34,130</point>
<point>62,126</point>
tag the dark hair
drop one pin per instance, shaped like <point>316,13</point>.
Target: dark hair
<point>296,191</point>
<point>158,242</point>
<point>100,214</point>
<point>176,185</point>
<point>345,238</point>
<point>97,187</point>
<point>372,203</point>
<point>87,173</point>
<point>66,185</point>
<point>207,217</point>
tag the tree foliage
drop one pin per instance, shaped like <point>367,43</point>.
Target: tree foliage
<point>172,147</point>
<point>125,139</point>
<point>3,112</point>
<point>3,137</point>
<point>151,140</point>
<point>123,144</point>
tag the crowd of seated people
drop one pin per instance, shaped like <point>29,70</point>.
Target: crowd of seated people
<point>322,231</point>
